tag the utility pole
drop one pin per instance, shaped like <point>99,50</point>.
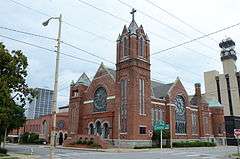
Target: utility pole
<point>54,102</point>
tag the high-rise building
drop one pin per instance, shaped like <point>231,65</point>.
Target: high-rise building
<point>226,87</point>
<point>41,104</point>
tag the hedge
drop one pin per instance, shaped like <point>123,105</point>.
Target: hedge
<point>193,144</point>
<point>3,151</point>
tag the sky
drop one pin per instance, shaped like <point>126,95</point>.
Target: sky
<point>91,29</point>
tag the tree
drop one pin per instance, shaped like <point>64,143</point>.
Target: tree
<point>14,91</point>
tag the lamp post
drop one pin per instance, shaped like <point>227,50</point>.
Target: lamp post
<point>54,102</point>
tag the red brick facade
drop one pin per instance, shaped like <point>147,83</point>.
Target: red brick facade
<point>43,126</point>
<point>129,98</point>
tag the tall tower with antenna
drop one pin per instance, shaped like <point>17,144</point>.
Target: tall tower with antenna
<point>226,87</point>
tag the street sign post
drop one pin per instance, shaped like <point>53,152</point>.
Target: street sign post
<point>237,134</point>
<point>159,126</point>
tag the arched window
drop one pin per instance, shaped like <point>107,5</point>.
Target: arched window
<point>105,130</point>
<point>123,106</point>
<point>100,100</point>
<point>99,128</point>
<point>125,47</point>
<point>141,47</point>
<point>180,115</point>
<point>45,128</point>
<point>91,129</point>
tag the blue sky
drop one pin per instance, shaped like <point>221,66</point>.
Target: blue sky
<point>188,62</point>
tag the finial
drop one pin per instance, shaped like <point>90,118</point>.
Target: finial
<point>132,12</point>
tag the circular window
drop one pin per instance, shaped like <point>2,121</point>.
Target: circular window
<point>100,100</point>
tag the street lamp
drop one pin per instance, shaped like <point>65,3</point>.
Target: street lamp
<point>54,103</point>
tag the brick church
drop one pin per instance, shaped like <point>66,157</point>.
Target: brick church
<point>120,106</point>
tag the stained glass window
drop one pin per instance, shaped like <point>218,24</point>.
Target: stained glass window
<point>141,96</point>
<point>206,126</point>
<point>194,122</point>
<point>123,107</point>
<point>100,100</point>
<point>180,115</point>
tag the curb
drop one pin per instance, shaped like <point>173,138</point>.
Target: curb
<point>76,148</point>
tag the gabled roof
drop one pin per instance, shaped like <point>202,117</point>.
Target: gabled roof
<point>84,80</point>
<point>102,70</point>
<point>160,90</point>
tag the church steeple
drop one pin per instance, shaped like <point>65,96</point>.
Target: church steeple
<point>133,25</point>
<point>133,80</point>
<point>133,43</point>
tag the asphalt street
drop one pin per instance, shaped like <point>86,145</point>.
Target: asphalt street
<point>42,152</point>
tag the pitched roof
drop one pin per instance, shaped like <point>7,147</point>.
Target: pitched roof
<point>133,27</point>
<point>160,90</point>
<point>112,72</point>
<point>213,103</point>
<point>83,79</point>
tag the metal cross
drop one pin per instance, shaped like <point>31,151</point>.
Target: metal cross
<point>132,12</point>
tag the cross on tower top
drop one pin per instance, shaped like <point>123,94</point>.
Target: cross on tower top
<point>132,12</point>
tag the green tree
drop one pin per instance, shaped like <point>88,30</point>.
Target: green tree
<point>14,91</point>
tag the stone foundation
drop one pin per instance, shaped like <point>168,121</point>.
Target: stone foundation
<point>130,143</point>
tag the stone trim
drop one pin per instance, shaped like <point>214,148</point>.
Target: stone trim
<point>91,101</point>
<point>159,103</point>
<point>88,101</point>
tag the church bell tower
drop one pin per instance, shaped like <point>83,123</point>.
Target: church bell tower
<point>133,84</point>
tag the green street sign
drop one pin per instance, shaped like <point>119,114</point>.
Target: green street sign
<point>160,125</point>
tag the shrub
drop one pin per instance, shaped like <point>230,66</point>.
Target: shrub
<point>29,138</point>
<point>84,142</point>
<point>3,151</point>
<point>193,144</point>
<point>89,142</point>
<point>79,142</point>
<point>95,145</point>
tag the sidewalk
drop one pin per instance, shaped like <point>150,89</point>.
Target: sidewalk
<point>112,149</point>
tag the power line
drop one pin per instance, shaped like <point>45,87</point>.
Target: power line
<point>164,24</point>
<point>106,12</point>
<point>25,6</point>
<point>187,48</point>
<point>75,47</point>
<point>27,33</point>
<point>89,32</point>
<point>174,66</point>
<point>76,27</point>
<point>179,19</point>
<point>91,6</point>
<point>195,39</point>
<point>43,48</point>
